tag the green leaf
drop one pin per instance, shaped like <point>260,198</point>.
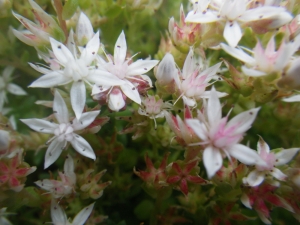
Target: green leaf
<point>113,11</point>
<point>69,9</point>
<point>144,209</point>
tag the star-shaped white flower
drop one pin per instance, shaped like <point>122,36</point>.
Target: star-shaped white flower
<point>272,159</point>
<point>64,131</point>
<point>7,86</point>
<point>65,186</point>
<point>59,217</point>
<point>265,61</point>
<point>194,80</point>
<point>221,138</point>
<point>131,74</point>
<point>75,70</point>
<point>234,13</point>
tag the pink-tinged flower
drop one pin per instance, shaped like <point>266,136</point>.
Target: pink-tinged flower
<point>265,61</point>
<point>75,70</point>
<point>272,160</point>
<point>13,173</point>
<point>236,12</point>
<point>7,87</point>
<point>64,131</point>
<point>130,74</point>
<point>154,107</point>
<point>91,185</point>
<point>38,33</point>
<point>59,217</point>
<point>256,198</point>
<point>4,142</point>
<point>184,35</point>
<point>64,186</point>
<point>291,79</point>
<point>184,133</point>
<point>221,138</point>
<point>194,81</point>
<point>184,173</point>
<point>153,176</point>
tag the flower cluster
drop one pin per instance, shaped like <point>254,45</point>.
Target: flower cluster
<point>226,73</point>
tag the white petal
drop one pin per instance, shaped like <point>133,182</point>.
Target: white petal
<point>84,28</point>
<point>207,94</point>
<point>83,147</point>
<point>89,53</point>
<point>22,37</point>
<point>285,156</point>
<point>246,201</point>
<point>120,49</point>
<point>2,100</point>
<point>262,147</point>
<point>53,152</point>
<point>278,174</point>
<point>116,100</point>
<point>239,54</point>
<point>212,160</point>
<point>263,218</point>
<point>52,79</point>
<point>208,17</point>
<point>232,33</point>
<point>61,52</point>
<point>254,178</point>
<point>101,77</point>
<point>260,13</point>
<point>60,109</point>
<point>58,216</point>
<point>131,92</point>
<point>243,121</point>
<point>40,69</point>
<point>71,43</point>
<point>295,98</point>
<point>252,72</point>
<point>214,109</point>
<point>83,215</point>
<point>197,127</point>
<point>15,89</point>
<point>40,125</point>
<point>244,154</point>
<point>69,164</point>
<point>166,70</point>
<point>211,71</point>
<point>140,67</point>
<point>188,65</point>
<point>78,97</point>
<point>85,120</point>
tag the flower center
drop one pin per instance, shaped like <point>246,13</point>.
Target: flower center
<point>64,132</point>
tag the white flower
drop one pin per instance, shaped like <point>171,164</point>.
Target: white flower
<point>7,86</point>
<point>59,217</point>
<point>65,186</point>
<point>3,214</point>
<point>130,74</point>
<point>265,61</point>
<point>194,81</point>
<point>64,132</point>
<point>221,138</point>
<point>272,159</point>
<point>75,70</point>
<point>234,12</point>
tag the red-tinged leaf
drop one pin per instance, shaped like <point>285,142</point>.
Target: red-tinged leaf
<point>184,187</point>
<point>21,172</point>
<point>260,206</point>
<point>173,179</point>
<point>196,179</point>
<point>164,161</point>
<point>190,166</point>
<point>3,179</point>
<point>149,162</point>
<point>187,113</point>
<point>3,168</point>
<point>14,182</point>
<point>177,168</point>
